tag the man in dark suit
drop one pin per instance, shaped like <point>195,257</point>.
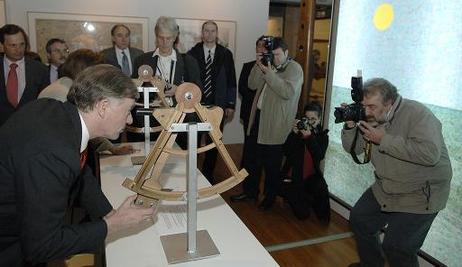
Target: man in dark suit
<point>57,52</point>
<point>168,64</point>
<point>218,77</point>
<point>43,171</point>
<point>121,54</point>
<point>247,96</point>
<point>26,77</point>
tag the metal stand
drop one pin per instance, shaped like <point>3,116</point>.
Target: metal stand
<point>137,160</point>
<point>193,245</point>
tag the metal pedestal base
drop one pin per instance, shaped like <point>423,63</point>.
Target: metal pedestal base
<point>176,251</point>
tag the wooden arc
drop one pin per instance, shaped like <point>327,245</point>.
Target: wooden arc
<point>147,181</point>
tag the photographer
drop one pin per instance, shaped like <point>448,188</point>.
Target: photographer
<point>412,175</point>
<point>278,82</point>
<point>305,147</point>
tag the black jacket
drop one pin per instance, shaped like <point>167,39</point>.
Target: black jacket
<point>223,74</point>
<point>40,177</point>
<point>313,192</point>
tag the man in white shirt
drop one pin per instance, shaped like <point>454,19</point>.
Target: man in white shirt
<point>57,52</point>
<point>169,64</point>
<point>21,78</point>
<point>121,54</point>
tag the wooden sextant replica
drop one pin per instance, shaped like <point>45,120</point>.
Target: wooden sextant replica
<point>147,182</point>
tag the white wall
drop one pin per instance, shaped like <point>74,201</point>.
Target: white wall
<point>250,16</point>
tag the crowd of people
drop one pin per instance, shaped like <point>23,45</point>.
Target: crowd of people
<point>50,115</point>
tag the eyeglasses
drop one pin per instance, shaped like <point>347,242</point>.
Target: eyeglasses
<point>62,51</point>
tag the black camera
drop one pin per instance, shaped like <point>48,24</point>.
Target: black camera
<point>268,56</point>
<point>303,124</point>
<point>355,111</point>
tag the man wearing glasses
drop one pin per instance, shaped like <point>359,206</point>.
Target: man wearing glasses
<point>57,52</point>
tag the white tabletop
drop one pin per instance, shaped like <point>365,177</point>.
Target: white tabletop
<point>142,247</point>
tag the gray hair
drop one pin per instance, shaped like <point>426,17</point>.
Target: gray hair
<point>167,24</point>
<point>99,82</point>
<point>382,87</point>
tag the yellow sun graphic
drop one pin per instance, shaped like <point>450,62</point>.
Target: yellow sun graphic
<point>383,16</point>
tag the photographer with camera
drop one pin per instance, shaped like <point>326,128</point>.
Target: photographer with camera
<point>412,175</point>
<point>304,186</point>
<point>278,82</point>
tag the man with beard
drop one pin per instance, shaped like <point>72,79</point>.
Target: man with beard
<point>412,175</point>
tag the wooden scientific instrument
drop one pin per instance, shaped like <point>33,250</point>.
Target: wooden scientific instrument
<point>148,187</point>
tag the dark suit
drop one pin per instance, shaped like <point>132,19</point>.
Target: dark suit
<point>110,57</point>
<point>186,70</point>
<point>247,95</point>
<point>37,78</point>
<point>223,75</point>
<point>249,152</point>
<point>40,177</point>
<point>223,91</point>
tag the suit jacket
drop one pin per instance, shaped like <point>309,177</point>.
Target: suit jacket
<point>110,57</point>
<point>247,95</point>
<point>37,78</point>
<point>40,177</point>
<point>223,74</point>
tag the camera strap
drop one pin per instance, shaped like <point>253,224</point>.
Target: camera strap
<point>353,153</point>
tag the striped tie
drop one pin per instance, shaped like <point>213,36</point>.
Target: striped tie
<point>208,76</point>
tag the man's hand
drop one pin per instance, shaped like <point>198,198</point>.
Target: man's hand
<point>229,113</point>
<point>264,68</point>
<point>171,91</point>
<point>122,150</point>
<point>371,133</point>
<point>128,215</point>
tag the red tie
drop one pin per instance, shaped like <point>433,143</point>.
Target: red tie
<point>12,85</point>
<point>83,158</point>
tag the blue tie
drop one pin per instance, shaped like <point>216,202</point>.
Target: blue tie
<point>125,65</point>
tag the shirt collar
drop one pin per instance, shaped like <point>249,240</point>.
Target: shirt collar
<point>206,50</point>
<point>8,62</point>
<point>85,135</point>
<point>172,56</point>
<point>119,51</point>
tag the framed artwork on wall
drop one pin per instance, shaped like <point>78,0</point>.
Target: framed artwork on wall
<point>190,33</point>
<point>82,31</point>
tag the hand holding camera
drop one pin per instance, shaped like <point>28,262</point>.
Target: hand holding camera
<point>303,127</point>
<point>265,59</point>
<point>371,133</point>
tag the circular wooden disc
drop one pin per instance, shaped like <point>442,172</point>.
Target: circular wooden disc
<point>145,73</point>
<point>189,94</point>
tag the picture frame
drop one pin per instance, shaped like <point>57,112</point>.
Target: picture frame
<point>82,30</point>
<point>191,31</point>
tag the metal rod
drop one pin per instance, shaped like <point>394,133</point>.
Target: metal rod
<point>147,125</point>
<point>192,187</point>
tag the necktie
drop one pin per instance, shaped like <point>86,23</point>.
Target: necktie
<point>208,76</point>
<point>83,158</point>
<point>12,85</point>
<point>125,65</point>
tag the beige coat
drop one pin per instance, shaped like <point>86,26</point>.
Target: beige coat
<point>412,166</point>
<point>280,101</point>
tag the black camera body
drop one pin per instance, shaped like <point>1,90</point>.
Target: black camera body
<point>268,56</point>
<point>355,111</point>
<point>303,124</point>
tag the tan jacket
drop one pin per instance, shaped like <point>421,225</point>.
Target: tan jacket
<point>280,101</point>
<point>412,167</point>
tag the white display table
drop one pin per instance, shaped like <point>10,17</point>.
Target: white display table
<point>142,247</point>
